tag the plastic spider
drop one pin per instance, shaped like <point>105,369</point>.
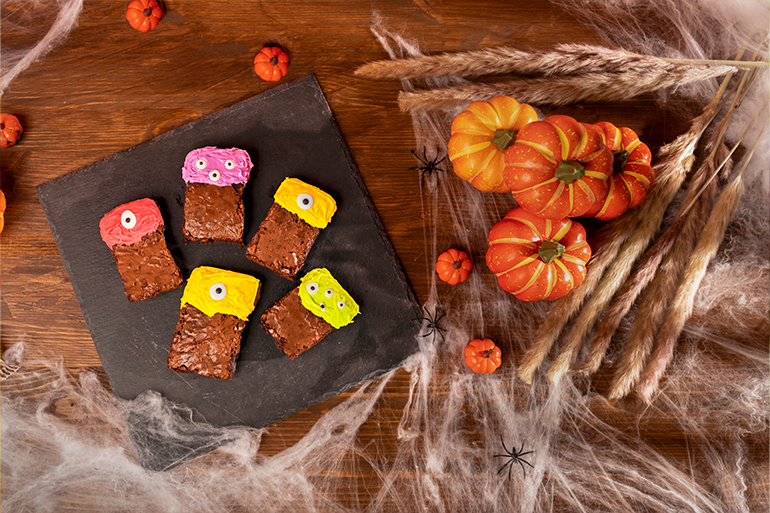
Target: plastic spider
<point>515,457</point>
<point>433,326</point>
<point>427,166</point>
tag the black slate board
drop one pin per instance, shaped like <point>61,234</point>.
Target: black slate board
<point>288,131</point>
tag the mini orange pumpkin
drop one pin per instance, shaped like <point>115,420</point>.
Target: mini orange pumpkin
<point>453,266</point>
<point>482,356</point>
<point>10,130</point>
<point>144,15</point>
<point>481,134</point>
<point>271,64</point>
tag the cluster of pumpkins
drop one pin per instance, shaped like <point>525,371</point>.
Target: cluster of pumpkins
<point>557,169</point>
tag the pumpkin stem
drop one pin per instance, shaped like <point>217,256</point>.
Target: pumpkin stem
<point>504,138</point>
<point>147,11</point>
<point>550,250</point>
<point>487,353</point>
<point>273,60</point>
<point>457,264</point>
<point>619,162</point>
<point>570,170</point>
<point>2,126</point>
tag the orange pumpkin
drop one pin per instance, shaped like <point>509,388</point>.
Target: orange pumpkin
<point>271,64</point>
<point>535,258</point>
<point>558,167</point>
<point>482,356</point>
<point>480,135</point>
<point>144,15</point>
<point>632,173</point>
<point>10,130</point>
<point>453,266</point>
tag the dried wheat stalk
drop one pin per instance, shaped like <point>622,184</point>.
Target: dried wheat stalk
<point>675,161</point>
<point>681,308</point>
<point>566,59</point>
<point>558,90</point>
<point>684,228</point>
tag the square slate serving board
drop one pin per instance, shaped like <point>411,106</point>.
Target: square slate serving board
<point>289,131</point>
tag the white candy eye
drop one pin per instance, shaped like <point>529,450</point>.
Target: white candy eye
<point>312,287</point>
<point>329,292</point>
<point>128,219</point>
<point>229,164</point>
<point>214,176</point>
<point>340,304</point>
<point>305,201</point>
<point>200,163</point>
<point>323,307</point>
<point>218,291</point>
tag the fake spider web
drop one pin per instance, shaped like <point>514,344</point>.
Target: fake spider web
<point>65,440</point>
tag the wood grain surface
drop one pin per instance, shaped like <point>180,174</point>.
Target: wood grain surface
<point>109,87</point>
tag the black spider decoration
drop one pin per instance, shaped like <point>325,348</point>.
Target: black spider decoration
<point>427,166</point>
<point>433,326</point>
<point>515,457</point>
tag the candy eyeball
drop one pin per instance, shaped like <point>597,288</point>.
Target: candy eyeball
<point>214,176</point>
<point>305,201</point>
<point>340,305</point>
<point>329,292</point>
<point>128,219</point>
<point>229,164</point>
<point>312,287</point>
<point>218,291</point>
<point>200,163</point>
<point>322,306</point>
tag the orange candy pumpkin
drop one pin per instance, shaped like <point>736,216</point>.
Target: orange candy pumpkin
<point>10,130</point>
<point>535,258</point>
<point>482,356</point>
<point>480,135</point>
<point>453,266</point>
<point>144,15</point>
<point>271,64</point>
<point>558,167</point>
<point>632,173</point>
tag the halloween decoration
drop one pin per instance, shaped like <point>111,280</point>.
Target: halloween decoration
<point>514,456</point>
<point>535,258</point>
<point>10,130</point>
<point>453,266</point>
<point>558,167</point>
<point>144,15</point>
<point>271,64</point>
<point>481,134</point>
<point>482,356</point>
<point>632,173</point>
<point>432,326</point>
<point>2,211</point>
<point>428,166</point>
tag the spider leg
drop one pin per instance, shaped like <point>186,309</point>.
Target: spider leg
<point>504,447</point>
<point>523,469</point>
<point>528,463</point>
<point>505,465</point>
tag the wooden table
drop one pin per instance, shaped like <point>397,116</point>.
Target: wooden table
<point>109,87</point>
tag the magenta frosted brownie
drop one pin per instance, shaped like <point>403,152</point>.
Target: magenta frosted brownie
<point>286,235</point>
<point>215,307</point>
<point>214,182</point>
<point>134,232</point>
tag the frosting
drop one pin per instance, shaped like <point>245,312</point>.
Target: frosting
<point>212,290</point>
<point>217,166</point>
<point>324,296</point>
<point>309,203</point>
<point>128,223</point>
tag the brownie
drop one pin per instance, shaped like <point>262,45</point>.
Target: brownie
<point>282,242</point>
<point>147,267</point>
<point>134,232</point>
<point>213,213</point>
<point>215,307</point>
<point>205,345</point>
<point>294,328</point>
